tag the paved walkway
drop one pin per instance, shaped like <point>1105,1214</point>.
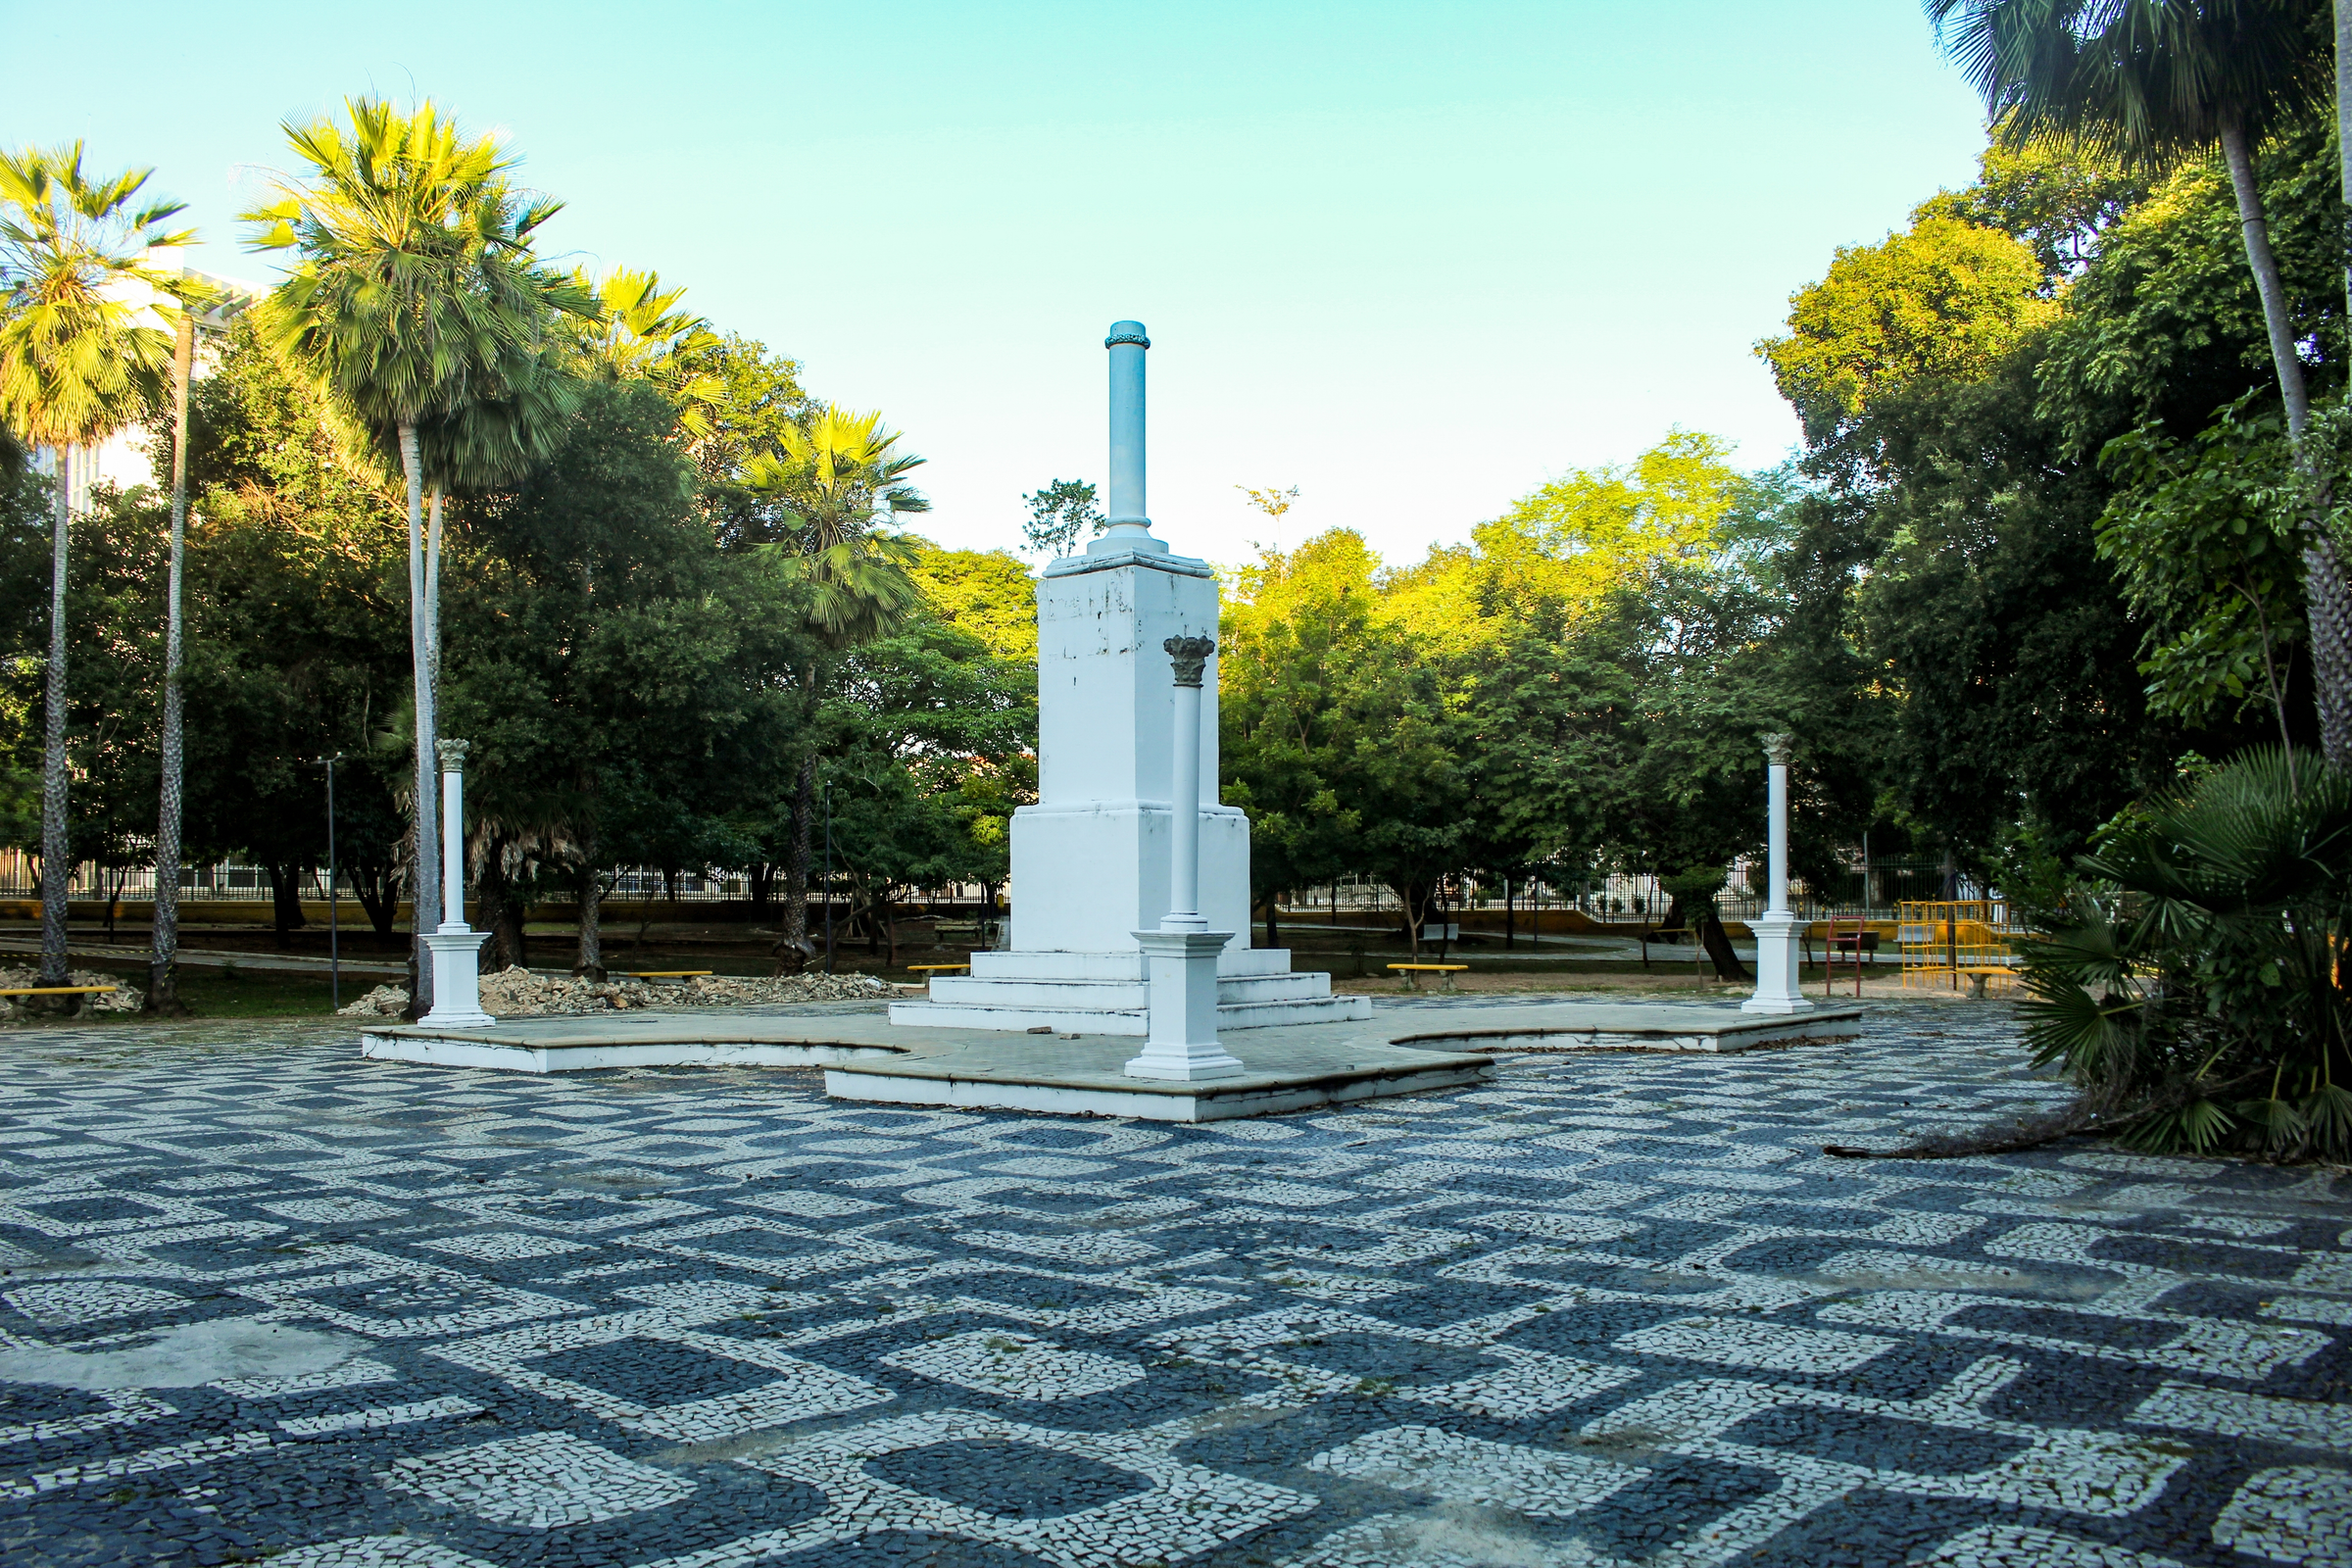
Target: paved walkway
<point>262,1299</point>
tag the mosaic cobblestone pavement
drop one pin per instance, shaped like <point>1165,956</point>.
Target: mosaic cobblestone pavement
<point>264,1299</point>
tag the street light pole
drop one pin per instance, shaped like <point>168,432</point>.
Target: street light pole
<point>335,947</point>
<point>828,879</point>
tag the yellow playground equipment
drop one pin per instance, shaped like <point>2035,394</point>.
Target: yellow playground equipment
<point>1943,942</point>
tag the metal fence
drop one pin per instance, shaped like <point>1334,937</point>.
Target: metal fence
<point>1874,890</point>
<point>231,881</point>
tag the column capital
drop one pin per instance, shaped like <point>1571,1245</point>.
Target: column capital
<point>1779,750</point>
<point>1189,654</point>
<point>452,755</point>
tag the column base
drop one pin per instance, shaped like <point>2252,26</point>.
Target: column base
<point>1779,941</point>
<point>457,979</point>
<point>1181,1044</point>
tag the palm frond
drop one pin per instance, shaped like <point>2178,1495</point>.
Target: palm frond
<point>79,361</point>
<point>2198,1126</point>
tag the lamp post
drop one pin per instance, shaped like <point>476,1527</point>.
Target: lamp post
<point>1181,1042</point>
<point>456,945</point>
<point>828,789</point>
<point>1779,933</point>
<point>334,951</point>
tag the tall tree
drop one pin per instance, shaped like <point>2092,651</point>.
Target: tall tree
<point>2154,82</point>
<point>638,333</point>
<point>1059,514</point>
<point>415,294</point>
<point>837,483</point>
<point>163,973</point>
<point>77,364</point>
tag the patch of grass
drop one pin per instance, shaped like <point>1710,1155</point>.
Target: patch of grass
<point>241,992</point>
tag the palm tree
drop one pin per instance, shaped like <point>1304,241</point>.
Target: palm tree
<point>2153,82</point>
<point>836,483</point>
<point>2344,122</point>
<point>485,444</point>
<point>639,333</point>
<point>415,294</point>
<point>77,365</point>
<point>162,960</point>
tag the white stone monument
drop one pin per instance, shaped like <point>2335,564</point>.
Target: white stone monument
<point>1780,935</point>
<point>1092,861</point>
<point>456,945</point>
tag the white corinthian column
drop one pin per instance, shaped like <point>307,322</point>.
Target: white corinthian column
<point>456,945</point>
<point>1780,935</point>
<point>1181,1039</point>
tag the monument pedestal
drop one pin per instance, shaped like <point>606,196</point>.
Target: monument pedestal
<point>457,979</point>
<point>1182,1043</point>
<point>1779,953</point>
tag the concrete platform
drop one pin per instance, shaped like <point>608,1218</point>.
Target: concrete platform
<point>1399,1050</point>
<point>1700,1026</point>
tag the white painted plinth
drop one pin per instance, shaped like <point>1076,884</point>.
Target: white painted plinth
<point>1181,1044</point>
<point>457,979</point>
<point>1780,940</point>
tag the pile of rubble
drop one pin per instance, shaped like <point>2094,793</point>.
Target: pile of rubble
<point>384,1001</point>
<point>517,993</point>
<point>126,997</point>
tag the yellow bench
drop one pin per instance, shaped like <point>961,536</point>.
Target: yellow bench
<point>937,968</point>
<point>58,991</point>
<point>660,974</point>
<point>1412,972</point>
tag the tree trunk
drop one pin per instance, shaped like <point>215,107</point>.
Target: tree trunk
<point>589,964</point>
<point>285,902</point>
<point>2323,586</point>
<point>1273,919</point>
<point>424,879</point>
<point>796,870</point>
<point>1508,930</point>
<point>503,913</point>
<point>378,889</point>
<point>57,865</point>
<point>1718,944</point>
<point>2344,132</point>
<point>163,960</point>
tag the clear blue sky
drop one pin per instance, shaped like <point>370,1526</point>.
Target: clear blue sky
<point>1414,259</point>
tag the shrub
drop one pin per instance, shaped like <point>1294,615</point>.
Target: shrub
<point>2193,989</point>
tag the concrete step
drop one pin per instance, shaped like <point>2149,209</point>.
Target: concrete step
<point>1086,995</point>
<point>1296,1009</point>
<point>1067,1017</point>
<point>1231,963</point>
<point>1062,1019</point>
<point>988,991</point>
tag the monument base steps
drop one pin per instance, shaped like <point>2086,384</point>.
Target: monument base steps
<point>1399,1050</point>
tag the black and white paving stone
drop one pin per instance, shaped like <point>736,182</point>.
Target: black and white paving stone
<point>265,1300</point>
